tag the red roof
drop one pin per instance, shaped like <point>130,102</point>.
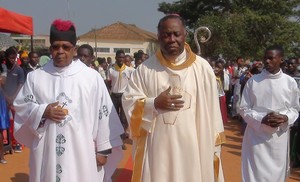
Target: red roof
<point>120,31</point>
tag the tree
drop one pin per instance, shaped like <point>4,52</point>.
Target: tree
<point>192,10</point>
<point>242,28</point>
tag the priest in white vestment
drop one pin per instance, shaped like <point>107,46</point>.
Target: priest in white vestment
<point>64,114</point>
<point>269,105</point>
<point>173,108</point>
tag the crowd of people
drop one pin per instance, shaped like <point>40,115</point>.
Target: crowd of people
<point>272,92</point>
<point>15,65</point>
<point>171,104</point>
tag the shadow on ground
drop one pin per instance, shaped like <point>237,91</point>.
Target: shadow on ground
<point>20,177</point>
<point>234,139</point>
<point>128,141</point>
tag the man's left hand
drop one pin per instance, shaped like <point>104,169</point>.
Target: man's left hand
<point>101,160</point>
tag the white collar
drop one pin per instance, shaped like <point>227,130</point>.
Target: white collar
<point>270,75</point>
<point>181,58</point>
<point>74,67</point>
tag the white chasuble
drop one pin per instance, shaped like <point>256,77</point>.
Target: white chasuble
<point>179,145</point>
<point>66,151</point>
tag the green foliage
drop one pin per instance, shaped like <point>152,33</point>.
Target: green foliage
<point>241,28</point>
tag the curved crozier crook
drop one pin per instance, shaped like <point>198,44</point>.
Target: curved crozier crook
<point>203,39</point>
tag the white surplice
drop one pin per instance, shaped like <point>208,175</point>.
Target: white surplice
<point>265,149</point>
<point>180,145</point>
<point>66,152</point>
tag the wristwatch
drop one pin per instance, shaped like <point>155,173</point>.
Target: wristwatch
<point>104,152</point>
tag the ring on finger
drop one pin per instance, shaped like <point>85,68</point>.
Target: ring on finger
<point>172,105</point>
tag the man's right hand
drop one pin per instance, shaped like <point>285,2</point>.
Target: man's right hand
<point>166,101</point>
<point>54,112</point>
<point>274,120</point>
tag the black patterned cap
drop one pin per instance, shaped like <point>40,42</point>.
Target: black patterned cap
<point>63,30</point>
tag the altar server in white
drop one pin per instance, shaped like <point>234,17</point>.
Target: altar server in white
<point>269,105</point>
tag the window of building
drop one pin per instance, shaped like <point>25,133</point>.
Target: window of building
<point>102,49</point>
<point>126,50</point>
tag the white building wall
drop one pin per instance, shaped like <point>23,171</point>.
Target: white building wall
<point>134,46</point>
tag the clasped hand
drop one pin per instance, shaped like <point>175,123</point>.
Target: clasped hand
<point>274,120</point>
<point>166,101</point>
<point>54,112</point>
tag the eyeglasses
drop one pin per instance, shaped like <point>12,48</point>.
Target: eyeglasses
<point>63,46</point>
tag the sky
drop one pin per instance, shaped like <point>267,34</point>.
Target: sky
<point>88,14</point>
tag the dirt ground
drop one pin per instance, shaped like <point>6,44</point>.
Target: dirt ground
<point>16,170</point>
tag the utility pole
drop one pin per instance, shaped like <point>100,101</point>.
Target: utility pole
<point>68,9</point>
<point>95,41</point>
